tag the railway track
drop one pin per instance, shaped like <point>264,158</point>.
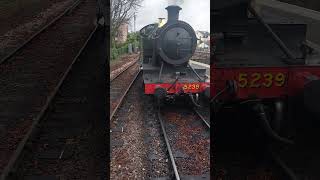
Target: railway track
<point>201,56</point>
<point>137,151</point>
<point>120,85</point>
<point>136,139</point>
<point>31,77</point>
<point>187,138</point>
<point>128,150</point>
<point>68,10</point>
<point>129,61</point>
<point>68,130</point>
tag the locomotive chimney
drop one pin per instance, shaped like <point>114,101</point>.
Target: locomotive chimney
<point>173,13</point>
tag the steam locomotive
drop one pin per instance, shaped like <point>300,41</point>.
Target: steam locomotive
<point>261,62</point>
<point>167,49</point>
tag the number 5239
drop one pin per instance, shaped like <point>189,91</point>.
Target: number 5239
<point>191,86</point>
<point>256,80</point>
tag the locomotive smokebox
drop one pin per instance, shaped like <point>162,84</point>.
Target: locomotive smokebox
<point>173,13</point>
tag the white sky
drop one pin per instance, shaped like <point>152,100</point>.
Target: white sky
<point>194,12</point>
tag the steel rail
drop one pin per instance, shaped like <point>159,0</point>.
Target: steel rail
<point>44,109</point>
<point>124,94</point>
<point>174,166</point>
<point>289,172</point>
<point>67,11</point>
<point>115,77</point>
<point>202,118</point>
<point>173,163</point>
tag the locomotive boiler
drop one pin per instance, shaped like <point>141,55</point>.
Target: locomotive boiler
<point>167,49</point>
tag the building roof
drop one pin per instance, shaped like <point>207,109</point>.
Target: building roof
<point>204,33</point>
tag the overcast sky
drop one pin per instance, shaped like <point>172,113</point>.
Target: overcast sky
<point>194,12</point>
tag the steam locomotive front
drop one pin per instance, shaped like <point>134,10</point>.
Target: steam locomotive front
<point>176,41</point>
<point>167,49</point>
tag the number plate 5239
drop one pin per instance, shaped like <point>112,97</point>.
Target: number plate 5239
<point>256,80</point>
<point>191,86</point>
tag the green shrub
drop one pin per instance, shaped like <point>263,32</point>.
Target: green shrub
<point>120,49</point>
<point>114,53</point>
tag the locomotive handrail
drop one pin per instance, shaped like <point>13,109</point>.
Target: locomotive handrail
<point>196,73</point>
<point>281,44</point>
<point>309,16</point>
<point>290,8</point>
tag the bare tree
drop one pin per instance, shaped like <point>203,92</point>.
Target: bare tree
<point>121,12</point>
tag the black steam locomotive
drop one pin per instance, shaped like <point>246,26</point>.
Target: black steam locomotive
<point>166,53</point>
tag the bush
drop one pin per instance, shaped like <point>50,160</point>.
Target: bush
<point>119,49</point>
<point>114,53</point>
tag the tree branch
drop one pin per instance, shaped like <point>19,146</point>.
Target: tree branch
<point>122,12</point>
